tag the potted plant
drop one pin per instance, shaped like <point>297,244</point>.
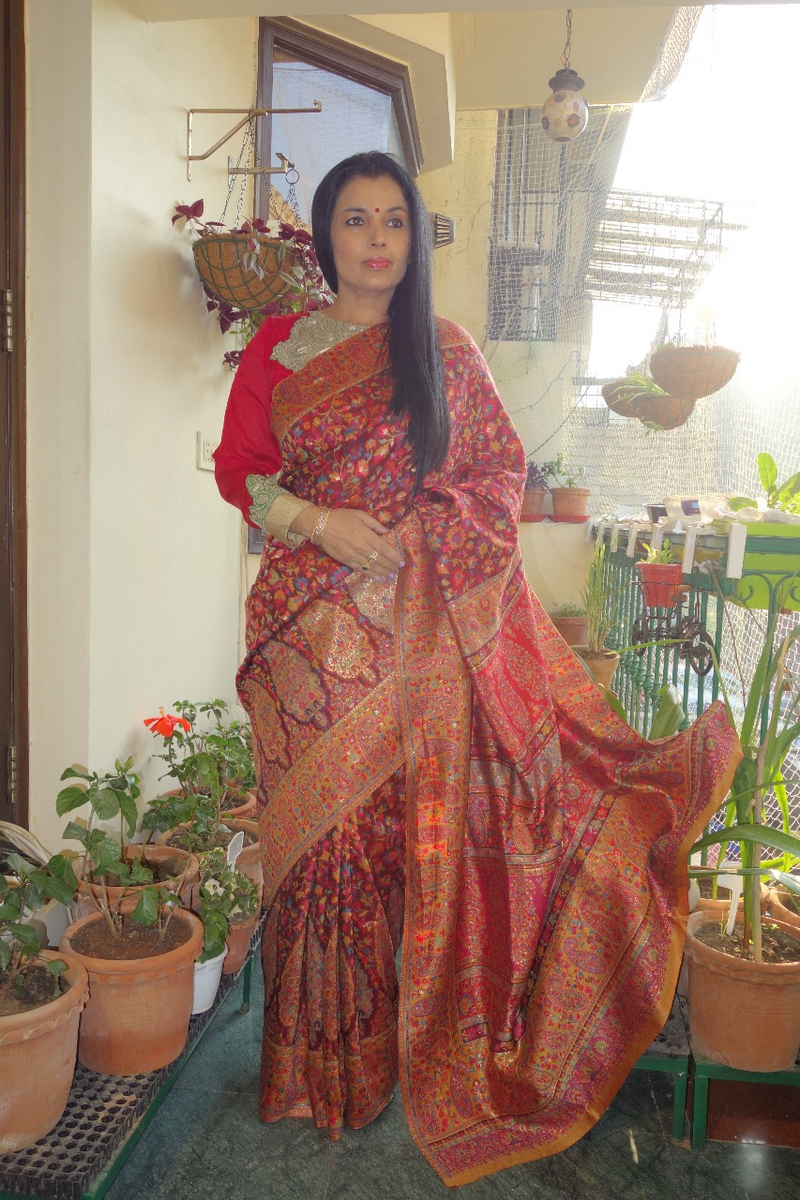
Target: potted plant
<point>569,498</point>
<point>113,873</point>
<point>750,972</point>
<point>693,371</point>
<point>639,396</point>
<point>570,620</point>
<point>137,945</point>
<point>601,606</point>
<point>533,497</point>
<point>252,271</point>
<point>771,566</point>
<point>661,575</point>
<point>229,907</point>
<point>204,759</point>
<point>42,995</point>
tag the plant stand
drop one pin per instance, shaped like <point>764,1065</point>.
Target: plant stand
<point>705,1070</point>
<point>670,1053</point>
<point>104,1119</point>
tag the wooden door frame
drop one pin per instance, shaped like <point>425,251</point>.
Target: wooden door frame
<point>14,97</point>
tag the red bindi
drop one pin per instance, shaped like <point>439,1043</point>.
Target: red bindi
<point>377,210</point>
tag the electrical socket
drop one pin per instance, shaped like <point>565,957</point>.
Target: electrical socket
<point>205,450</point>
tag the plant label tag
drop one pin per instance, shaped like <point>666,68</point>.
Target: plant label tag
<point>235,847</point>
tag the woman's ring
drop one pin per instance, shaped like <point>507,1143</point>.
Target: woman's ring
<point>365,566</point>
<point>371,558</point>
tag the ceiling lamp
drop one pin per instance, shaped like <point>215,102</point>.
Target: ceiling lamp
<point>565,113</point>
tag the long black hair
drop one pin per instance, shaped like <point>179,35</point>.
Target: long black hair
<point>415,357</point>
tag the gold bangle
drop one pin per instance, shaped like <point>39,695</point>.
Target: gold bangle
<point>318,532</point>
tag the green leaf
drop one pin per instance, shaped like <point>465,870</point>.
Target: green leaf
<point>17,865</point>
<point>790,882</point>
<point>5,955</point>
<point>767,471</point>
<point>130,812</point>
<point>69,798</point>
<point>742,502</point>
<point>105,803</point>
<point>146,911</point>
<point>77,833</point>
<point>61,867</point>
<point>758,835</point>
<point>76,773</point>
<point>27,937</point>
<point>669,716</point>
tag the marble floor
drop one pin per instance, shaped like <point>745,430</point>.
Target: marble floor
<point>206,1142</point>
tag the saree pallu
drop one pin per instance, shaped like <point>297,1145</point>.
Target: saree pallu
<point>436,736</point>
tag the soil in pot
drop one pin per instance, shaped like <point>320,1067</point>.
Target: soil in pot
<point>778,945</point>
<point>138,941</point>
<point>38,992</point>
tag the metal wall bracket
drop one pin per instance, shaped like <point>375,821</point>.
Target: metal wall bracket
<point>249,114</point>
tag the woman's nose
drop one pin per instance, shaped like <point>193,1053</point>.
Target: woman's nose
<point>377,236</point>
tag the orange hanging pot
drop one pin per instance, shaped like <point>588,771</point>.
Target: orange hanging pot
<point>661,583</point>
<point>693,371</point>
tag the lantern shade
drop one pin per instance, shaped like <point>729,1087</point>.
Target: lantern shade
<point>565,112</point>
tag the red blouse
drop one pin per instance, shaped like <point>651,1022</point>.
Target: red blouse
<point>248,445</point>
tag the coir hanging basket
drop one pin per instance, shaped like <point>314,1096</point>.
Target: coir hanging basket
<point>693,371</point>
<point>220,261</point>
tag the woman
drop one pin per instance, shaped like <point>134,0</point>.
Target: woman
<point>430,754</point>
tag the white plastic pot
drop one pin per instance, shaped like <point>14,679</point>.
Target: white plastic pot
<point>207,976</point>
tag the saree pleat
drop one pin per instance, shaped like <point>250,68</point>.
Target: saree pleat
<point>330,1021</point>
<point>444,720</point>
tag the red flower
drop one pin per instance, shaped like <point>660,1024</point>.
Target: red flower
<point>165,723</point>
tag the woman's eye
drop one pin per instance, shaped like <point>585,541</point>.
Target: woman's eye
<point>396,223</point>
<point>354,221</point>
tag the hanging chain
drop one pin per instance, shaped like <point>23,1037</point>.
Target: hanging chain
<point>248,142</point>
<point>292,177</point>
<point>567,47</point>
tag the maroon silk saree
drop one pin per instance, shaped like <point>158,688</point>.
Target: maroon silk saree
<point>434,761</point>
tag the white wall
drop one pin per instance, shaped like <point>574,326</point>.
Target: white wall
<point>134,591</point>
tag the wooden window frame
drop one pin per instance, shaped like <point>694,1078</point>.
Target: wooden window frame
<point>341,58</point>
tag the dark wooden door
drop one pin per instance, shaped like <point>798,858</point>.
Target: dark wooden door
<point>13,658</point>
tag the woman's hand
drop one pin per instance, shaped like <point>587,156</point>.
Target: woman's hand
<point>354,538</point>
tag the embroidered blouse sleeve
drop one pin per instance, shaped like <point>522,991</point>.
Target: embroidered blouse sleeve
<point>247,461</point>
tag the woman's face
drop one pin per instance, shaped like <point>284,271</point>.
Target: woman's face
<point>370,238</point>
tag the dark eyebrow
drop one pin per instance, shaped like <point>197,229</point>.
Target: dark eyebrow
<point>355,209</point>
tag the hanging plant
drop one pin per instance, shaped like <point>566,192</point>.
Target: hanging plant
<point>252,271</point>
<point>693,371</point>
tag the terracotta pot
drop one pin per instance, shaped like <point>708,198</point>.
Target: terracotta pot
<point>220,265</point>
<point>249,861</point>
<point>661,583</point>
<point>137,1016</point>
<point>238,942</point>
<point>743,1014</point>
<point>693,371</point>
<point>241,807</point>
<point>601,666</point>
<point>570,504</point>
<point>776,908</point>
<point>125,899</point>
<point>572,629</point>
<point>37,1061</point>
<point>533,504</point>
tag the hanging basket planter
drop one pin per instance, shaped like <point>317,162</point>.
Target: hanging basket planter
<point>693,371</point>
<point>663,412</point>
<point>222,264</point>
